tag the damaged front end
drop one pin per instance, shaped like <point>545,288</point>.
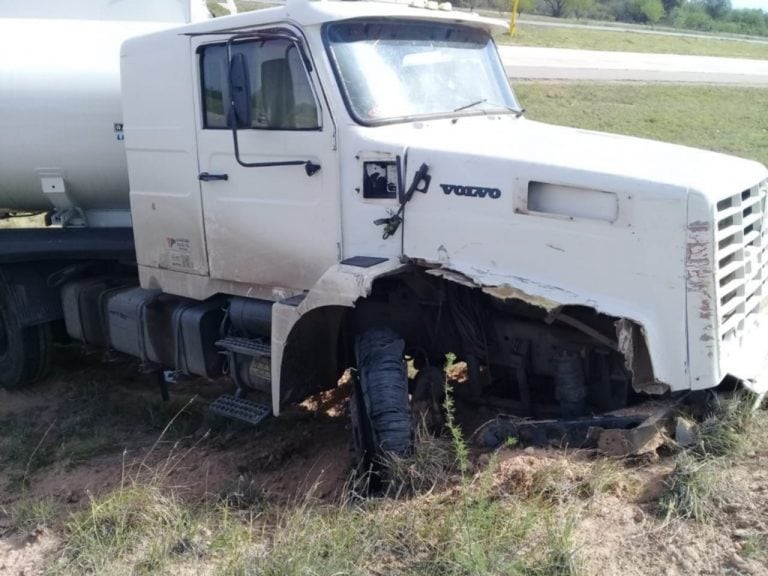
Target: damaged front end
<point>520,353</point>
<point>552,358</point>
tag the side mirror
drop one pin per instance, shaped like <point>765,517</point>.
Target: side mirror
<point>240,92</point>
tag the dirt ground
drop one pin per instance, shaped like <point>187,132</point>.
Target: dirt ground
<point>309,446</point>
<point>618,532</point>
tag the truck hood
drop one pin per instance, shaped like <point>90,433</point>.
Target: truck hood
<point>607,159</point>
<point>556,215</point>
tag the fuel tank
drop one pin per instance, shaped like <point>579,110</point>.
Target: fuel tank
<point>61,139</point>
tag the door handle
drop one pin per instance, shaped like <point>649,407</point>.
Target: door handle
<point>206,177</point>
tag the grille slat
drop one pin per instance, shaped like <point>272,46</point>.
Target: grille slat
<point>729,268</point>
<point>729,232</point>
<point>752,218</point>
<point>729,324</point>
<point>750,201</point>
<point>741,258</point>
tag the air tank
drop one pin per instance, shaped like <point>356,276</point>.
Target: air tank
<point>61,140</point>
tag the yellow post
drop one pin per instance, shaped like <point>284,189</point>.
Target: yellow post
<point>513,18</point>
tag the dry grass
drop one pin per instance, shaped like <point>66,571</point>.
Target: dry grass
<point>699,486</point>
<point>459,529</point>
<point>696,490</point>
<point>431,465</point>
<point>445,519</point>
<point>142,529</point>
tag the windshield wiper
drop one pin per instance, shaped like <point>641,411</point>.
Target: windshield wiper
<point>517,111</point>
<point>470,105</point>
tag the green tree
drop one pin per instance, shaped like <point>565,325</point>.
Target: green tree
<point>580,8</point>
<point>556,8</point>
<point>670,5</point>
<point>525,6</point>
<point>653,10</point>
<point>717,9</point>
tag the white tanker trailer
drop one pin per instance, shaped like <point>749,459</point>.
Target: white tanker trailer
<point>61,135</point>
<point>286,193</point>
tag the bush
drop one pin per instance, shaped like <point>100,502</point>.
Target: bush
<point>692,18</point>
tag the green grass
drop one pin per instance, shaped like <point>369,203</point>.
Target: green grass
<point>144,530</point>
<point>756,546</point>
<point>532,35</point>
<point>724,119</point>
<point>93,418</point>
<point>699,487</point>
<point>32,514</point>
<point>696,490</point>
<point>242,5</point>
<point>464,529</point>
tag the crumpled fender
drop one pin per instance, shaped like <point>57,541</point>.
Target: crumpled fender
<point>341,285</point>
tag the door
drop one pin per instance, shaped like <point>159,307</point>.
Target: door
<point>274,225</point>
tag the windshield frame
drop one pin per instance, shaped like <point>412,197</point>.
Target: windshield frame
<point>498,109</point>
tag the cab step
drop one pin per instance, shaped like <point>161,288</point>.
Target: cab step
<point>245,346</point>
<point>230,406</point>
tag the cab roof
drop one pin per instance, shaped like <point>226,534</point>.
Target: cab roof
<point>317,12</point>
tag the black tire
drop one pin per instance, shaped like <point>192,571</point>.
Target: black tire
<point>379,407</point>
<point>25,352</point>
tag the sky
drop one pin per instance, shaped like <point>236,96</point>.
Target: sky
<point>750,4</point>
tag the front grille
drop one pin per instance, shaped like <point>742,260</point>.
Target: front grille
<point>741,258</point>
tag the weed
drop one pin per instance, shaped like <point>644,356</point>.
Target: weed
<point>696,490</point>
<point>755,546</point>
<point>75,450</point>
<point>137,522</point>
<point>559,554</point>
<point>458,442</point>
<point>29,515</point>
<point>727,432</point>
<point>429,464</point>
<point>554,483</point>
<point>607,477</point>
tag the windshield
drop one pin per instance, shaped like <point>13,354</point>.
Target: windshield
<point>392,70</point>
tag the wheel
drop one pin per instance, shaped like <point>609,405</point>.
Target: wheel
<point>379,406</point>
<point>25,352</point>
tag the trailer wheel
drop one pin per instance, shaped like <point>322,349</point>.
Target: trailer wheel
<point>379,406</point>
<point>25,351</point>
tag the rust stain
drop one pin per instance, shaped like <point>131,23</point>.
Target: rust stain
<point>700,279</point>
<point>698,266</point>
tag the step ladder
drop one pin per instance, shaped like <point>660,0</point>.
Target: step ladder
<point>230,406</point>
<point>236,406</point>
<point>245,346</point>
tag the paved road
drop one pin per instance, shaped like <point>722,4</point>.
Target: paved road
<point>522,62</point>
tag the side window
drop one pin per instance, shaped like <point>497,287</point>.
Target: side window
<point>281,93</point>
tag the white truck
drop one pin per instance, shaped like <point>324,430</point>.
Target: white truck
<point>285,193</point>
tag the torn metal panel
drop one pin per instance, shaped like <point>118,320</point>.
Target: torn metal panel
<point>631,343</point>
<point>502,291</point>
<point>631,339</point>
